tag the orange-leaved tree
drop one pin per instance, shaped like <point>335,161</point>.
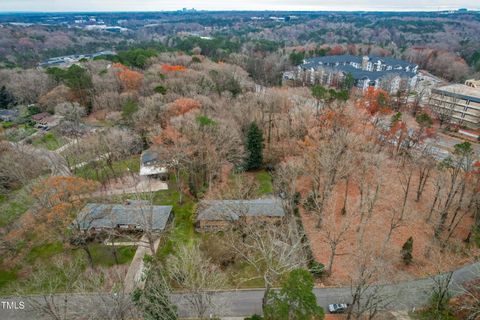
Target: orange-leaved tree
<point>59,199</point>
<point>130,79</point>
<point>375,101</point>
<point>170,68</point>
<point>183,105</point>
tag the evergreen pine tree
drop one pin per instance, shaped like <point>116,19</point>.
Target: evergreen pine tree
<point>154,300</point>
<point>254,146</point>
<point>407,251</point>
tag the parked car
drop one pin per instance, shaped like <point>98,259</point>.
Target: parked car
<point>337,307</point>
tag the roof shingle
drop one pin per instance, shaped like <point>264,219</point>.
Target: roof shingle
<point>109,216</point>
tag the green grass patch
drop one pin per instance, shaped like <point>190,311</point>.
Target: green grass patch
<point>11,208</point>
<point>49,141</point>
<point>20,132</point>
<point>265,182</point>
<point>99,171</point>
<point>183,228</point>
<point>44,252</point>
<point>243,275</point>
<point>6,277</point>
<point>7,124</point>
<point>104,255</point>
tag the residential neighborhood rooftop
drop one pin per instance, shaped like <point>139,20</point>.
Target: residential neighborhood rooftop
<point>149,156</point>
<point>150,164</point>
<point>8,114</point>
<point>136,214</point>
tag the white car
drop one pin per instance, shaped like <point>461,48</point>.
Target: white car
<point>337,308</point>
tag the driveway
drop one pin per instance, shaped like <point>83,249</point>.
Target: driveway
<point>237,303</point>
<point>136,270</point>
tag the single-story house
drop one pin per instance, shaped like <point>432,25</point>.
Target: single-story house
<point>40,116</point>
<point>48,122</point>
<point>219,214</point>
<point>151,165</point>
<point>9,114</point>
<point>134,215</point>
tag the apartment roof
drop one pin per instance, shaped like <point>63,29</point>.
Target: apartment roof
<point>460,91</point>
<point>373,75</point>
<point>234,209</point>
<point>109,216</point>
<point>358,59</point>
<point>357,73</point>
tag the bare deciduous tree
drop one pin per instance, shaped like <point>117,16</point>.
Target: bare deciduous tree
<point>368,295</point>
<point>333,234</point>
<point>271,250</point>
<point>190,270</point>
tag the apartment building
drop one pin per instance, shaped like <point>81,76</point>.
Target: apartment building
<point>386,73</point>
<point>458,103</point>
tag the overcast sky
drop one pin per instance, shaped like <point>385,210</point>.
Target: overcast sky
<point>167,5</point>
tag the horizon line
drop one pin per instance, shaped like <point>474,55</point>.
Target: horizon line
<point>193,10</point>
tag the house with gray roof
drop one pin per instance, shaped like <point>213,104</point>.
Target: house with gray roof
<point>220,214</point>
<point>134,215</point>
<point>387,73</point>
<point>152,166</point>
<point>9,115</point>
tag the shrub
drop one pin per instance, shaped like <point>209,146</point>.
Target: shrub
<point>309,203</point>
<point>129,108</point>
<point>160,89</point>
<point>317,269</point>
<point>407,251</point>
<point>438,308</point>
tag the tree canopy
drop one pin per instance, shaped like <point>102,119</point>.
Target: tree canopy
<point>295,300</point>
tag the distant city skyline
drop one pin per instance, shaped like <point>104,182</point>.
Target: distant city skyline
<point>277,5</point>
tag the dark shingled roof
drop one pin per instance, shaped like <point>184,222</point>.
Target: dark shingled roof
<point>95,215</point>
<point>234,209</point>
<point>148,156</point>
<point>312,62</point>
<point>373,75</point>
<point>9,112</point>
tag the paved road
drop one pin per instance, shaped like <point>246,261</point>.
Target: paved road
<point>404,296</point>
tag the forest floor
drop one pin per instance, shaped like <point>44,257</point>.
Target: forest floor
<point>428,257</point>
